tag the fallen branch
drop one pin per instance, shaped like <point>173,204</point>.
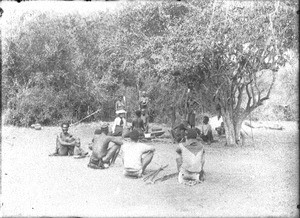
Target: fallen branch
<point>166,177</point>
<point>154,174</point>
<point>73,124</point>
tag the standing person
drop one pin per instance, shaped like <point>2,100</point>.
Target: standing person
<point>192,118</point>
<point>136,156</point>
<point>206,131</point>
<point>190,160</point>
<point>119,124</point>
<point>144,117</point>
<point>138,123</point>
<point>144,107</point>
<point>120,103</point>
<point>102,155</point>
<point>67,143</point>
<point>144,101</point>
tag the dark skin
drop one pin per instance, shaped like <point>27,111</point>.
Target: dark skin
<point>71,142</point>
<point>100,147</point>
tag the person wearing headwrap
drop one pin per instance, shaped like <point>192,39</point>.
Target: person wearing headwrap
<point>190,160</point>
<point>136,156</point>
<point>104,155</point>
<point>119,123</point>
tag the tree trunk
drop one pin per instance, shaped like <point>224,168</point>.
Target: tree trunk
<point>233,126</point>
<point>173,116</point>
<point>229,129</point>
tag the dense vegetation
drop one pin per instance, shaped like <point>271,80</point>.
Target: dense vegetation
<point>222,55</point>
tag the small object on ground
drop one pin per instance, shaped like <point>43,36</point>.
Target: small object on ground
<point>166,177</point>
<point>156,129</point>
<point>36,126</point>
<point>81,156</point>
<point>156,134</point>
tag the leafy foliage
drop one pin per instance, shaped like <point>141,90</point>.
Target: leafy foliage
<point>58,67</point>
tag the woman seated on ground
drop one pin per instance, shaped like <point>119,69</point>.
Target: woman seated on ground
<point>206,131</point>
<point>179,131</point>
<point>190,160</point>
<point>221,130</point>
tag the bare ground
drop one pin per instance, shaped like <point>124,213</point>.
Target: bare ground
<point>259,179</point>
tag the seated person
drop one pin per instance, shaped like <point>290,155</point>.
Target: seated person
<point>190,160</point>
<point>206,131</point>
<point>66,143</point>
<point>119,123</point>
<point>136,156</point>
<point>103,156</point>
<point>221,129</point>
<point>179,132</point>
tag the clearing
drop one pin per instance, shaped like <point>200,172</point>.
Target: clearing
<point>259,179</point>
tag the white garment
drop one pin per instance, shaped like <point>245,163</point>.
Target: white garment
<point>117,122</point>
<point>191,162</point>
<point>133,153</point>
<point>205,128</point>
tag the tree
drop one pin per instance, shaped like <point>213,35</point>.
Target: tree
<point>241,51</point>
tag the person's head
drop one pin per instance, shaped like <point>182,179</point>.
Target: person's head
<point>191,134</point>
<point>138,113</point>
<point>120,97</point>
<point>182,127</point>
<point>134,135</point>
<point>143,93</point>
<point>65,127</point>
<point>205,120</point>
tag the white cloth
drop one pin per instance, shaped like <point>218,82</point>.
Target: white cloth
<point>191,162</point>
<point>117,122</point>
<point>133,153</point>
<point>205,128</point>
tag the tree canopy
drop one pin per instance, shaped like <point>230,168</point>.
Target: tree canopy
<point>226,52</point>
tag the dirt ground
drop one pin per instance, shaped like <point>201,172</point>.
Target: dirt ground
<point>259,179</point>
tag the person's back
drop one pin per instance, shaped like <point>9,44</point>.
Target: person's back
<point>191,159</point>
<point>101,154</point>
<point>136,156</point>
<point>192,155</point>
<point>138,123</point>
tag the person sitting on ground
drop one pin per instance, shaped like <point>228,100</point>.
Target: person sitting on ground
<point>67,144</point>
<point>120,103</point>
<point>119,123</point>
<point>138,123</point>
<point>221,129</point>
<point>190,160</point>
<point>179,131</point>
<point>206,131</point>
<point>136,156</point>
<point>102,155</point>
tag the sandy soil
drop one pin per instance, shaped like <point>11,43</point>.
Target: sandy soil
<point>259,179</point>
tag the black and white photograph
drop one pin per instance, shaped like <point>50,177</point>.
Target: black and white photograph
<point>149,108</point>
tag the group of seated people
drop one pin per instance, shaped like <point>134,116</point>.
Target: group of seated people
<point>204,133</point>
<point>136,156</point>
